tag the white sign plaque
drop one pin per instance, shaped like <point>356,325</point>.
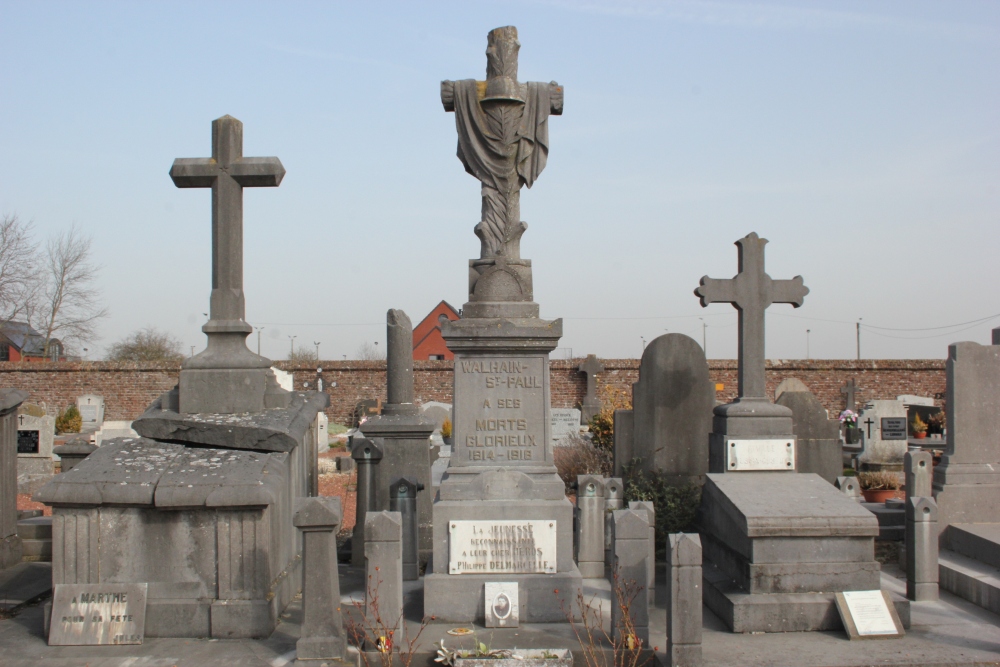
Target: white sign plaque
<point>776,454</point>
<point>868,615</point>
<point>94,614</point>
<point>501,605</point>
<point>517,547</point>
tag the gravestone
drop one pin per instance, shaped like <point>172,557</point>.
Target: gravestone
<point>384,569</point>
<point>629,590</point>
<point>672,409</point>
<point>850,392</point>
<point>624,438</point>
<point>402,428</point>
<point>778,544</point>
<point>684,600</point>
<point>34,451</point>
<point>91,407</point>
<point>501,480</point>
<point>200,505</point>
<point>565,423</point>
<point>10,543</point>
<point>590,526</point>
<point>436,412</point>
<point>890,445</point>
<point>789,384</point>
<point>591,403</point>
<point>817,438</point>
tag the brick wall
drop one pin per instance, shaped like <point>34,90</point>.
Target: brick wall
<point>129,388</point>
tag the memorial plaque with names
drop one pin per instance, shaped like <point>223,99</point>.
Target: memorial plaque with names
<point>894,428</point>
<point>565,422</point>
<point>775,454</point>
<point>500,411</point>
<point>501,604</point>
<point>27,442</point>
<point>97,614</point>
<point>869,615</point>
<point>502,546</point>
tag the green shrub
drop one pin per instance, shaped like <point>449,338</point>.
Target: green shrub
<point>676,506</point>
<point>602,431</point>
<point>69,421</point>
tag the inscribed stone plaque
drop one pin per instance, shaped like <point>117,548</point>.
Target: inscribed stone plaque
<point>869,615</point>
<point>517,547</point>
<point>27,442</point>
<point>500,411</point>
<point>894,428</point>
<point>92,614</point>
<point>91,407</point>
<point>776,454</point>
<point>501,605</point>
<point>565,422</point>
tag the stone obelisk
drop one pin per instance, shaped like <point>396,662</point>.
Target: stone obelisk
<point>404,430</point>
<point>501,487</point>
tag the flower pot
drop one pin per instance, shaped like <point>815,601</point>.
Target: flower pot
<point>920,436</point>
<point>852,435</point>
<point>879,495</point>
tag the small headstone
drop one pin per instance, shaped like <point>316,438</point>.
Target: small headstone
<point>684,599</point>
<point>869,615</point>
<point>384,569</point>
<point>817,438</point>
<point>628,588</point>
<point>91,407</point>
<point>565,423</point>
<point>878,448</point>
<point>437,412</point>
<point>10,543</point>
<point>672,409</point>
<point>849,487</point>
<point>501,604</point>
<point>34,451</point>
<point>590,526</point>
<point>789,384</point>
<point>921,549</point>
<point>98,614</point>
<point>650,510</point>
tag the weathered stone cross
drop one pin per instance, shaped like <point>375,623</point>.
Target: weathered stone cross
<point>751,291</point>
<point>227,172</point>
<point>591,404</point>
<point>850,388</point>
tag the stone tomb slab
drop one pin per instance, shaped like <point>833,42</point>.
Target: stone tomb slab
<point>97,614</point>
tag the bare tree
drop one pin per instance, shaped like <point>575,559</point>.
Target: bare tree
<point>19,268</point>
<point>69,304</point>
<point>149,344</point>
<point>369,352</point>
<point>302,354</point>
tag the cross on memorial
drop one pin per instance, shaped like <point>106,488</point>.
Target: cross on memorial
<point>227,172</point>
<point>868,423</point>
<point>751,291</point>
<point>850,388</point>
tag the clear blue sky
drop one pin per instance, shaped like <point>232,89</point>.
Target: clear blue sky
<point>861,138</point>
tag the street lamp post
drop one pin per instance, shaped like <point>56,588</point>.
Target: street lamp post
<point>291,340</point>
<point>317,350</point>
<point>259,329</point>
<point>807,342</point>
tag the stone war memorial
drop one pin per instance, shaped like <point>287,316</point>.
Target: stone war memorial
<point>199,507</point>
<point>206,532</point>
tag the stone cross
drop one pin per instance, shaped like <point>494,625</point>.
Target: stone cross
<point>502,138</point>
<point>227,172</point>
<point>751,291</point>
<point>850,388</point>
<point>868,422</point>
<point>591,404</point>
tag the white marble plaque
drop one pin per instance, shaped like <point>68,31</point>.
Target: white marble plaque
<point>775,454</point>
<point>501,605</point>
<point>93,614</point>
<point>867,614</point>
<point>565,422</point>
<point>516,547</point>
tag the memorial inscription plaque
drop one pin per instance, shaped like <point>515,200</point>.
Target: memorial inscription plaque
<point>500,411</point>
<point>893,428</point>
<point>95,614</point>
<point>27,442</point>
<point>506,547</point>
<point>869,615</point>
<point>776,454</point>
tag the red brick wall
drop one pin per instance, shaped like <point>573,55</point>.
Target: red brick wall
<point>129,388</point>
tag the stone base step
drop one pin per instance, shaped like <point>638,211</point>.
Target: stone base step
<point>37,550</point>
<point>979,541</point>
<point>782,612</point>
<point>35,528</point>
<point>971,579</point>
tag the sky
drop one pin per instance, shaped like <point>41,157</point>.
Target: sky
<point>860,138</point>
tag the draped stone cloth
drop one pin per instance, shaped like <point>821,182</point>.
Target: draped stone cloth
<point>484,154</point>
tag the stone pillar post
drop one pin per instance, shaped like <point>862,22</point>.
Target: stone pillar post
<point>399,364</point>
<point>647,506</point>
<point>366,454</point>
<point>684,600</point>
<point>590,526</point>
<point>849,487</point>
<point>918,469</point>
<point>614,499</point>
<point>629,593</point>
<point>384,557</point>
<point>921,549</point>
<point>403,499</point>
<point>10,543</point>
<point>322,625</point>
